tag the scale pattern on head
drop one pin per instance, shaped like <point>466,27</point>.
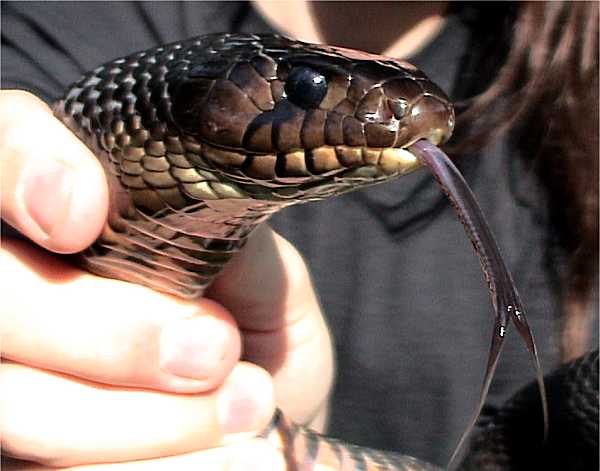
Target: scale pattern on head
<point>259,116</point>
<point>204,139</point>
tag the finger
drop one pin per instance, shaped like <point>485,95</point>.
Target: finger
<point>268,289</point>
<point>249,455</point>
<point>57,421</point>
<point>51,182</point>
<point>57,317</point>
<point>267,284</point>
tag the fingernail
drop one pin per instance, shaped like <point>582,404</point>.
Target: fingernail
<point>244,401</point>
<point>193,347</point>
<point>47,194</point>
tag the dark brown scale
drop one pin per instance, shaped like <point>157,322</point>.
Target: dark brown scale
<point>353,131</point>
<point>372,107</point>
<point>346,107</point>
<point>334,129</point>
<point>410,90</point>
<point>337,91</point>
<point>358,88</point>
<point>265,66</point>
<point>312,133</point>
<point>253,85</point>
<point>378,135</point>
<point>258,136</point>
<point>287,127</point>
<point>223,128</point>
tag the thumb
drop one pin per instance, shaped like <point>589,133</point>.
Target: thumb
<point>267,284</point>
<point>53,188</point>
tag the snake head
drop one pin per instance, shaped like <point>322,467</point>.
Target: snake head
<point>203,139</point>
<point>303,121</point>
<point>254,117</point>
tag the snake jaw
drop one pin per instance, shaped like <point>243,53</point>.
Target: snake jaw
<point>310,174</point>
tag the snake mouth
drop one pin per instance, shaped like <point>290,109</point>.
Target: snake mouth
<point>361,166</point>
<point>312,167</point>
<point>312,174</point>
<point>376,163</point>
<point>340,169</point>
<point>344,163</point>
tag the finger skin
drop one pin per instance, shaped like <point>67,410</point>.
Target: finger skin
<point>253,454</point>
<point>53,188</point>
<point>55,420</point>
<point>57,317</point>
<point>109,331</point>
<point>268,289</point>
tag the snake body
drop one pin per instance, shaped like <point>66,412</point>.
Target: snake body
<point>512,441</point>
<point>204,139</point>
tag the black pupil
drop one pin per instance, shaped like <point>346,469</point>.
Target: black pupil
<point>305,87</point>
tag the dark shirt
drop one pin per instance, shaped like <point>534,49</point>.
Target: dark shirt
<point>400,285</point>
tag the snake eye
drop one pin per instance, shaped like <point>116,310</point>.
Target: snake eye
<point>305,87</point>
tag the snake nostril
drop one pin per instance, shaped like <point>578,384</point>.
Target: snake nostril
<point>399,107</point>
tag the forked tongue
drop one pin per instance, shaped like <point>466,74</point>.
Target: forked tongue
<point>505,298</point>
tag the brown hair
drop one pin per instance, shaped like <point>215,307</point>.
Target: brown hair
<point>545,91</point>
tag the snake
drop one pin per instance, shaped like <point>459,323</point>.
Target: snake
<point>202,140</point>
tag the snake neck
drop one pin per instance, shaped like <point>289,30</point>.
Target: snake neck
<point>172,223</point>
<point>178,251</point>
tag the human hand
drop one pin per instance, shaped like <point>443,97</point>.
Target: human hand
<point>102,371</point>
